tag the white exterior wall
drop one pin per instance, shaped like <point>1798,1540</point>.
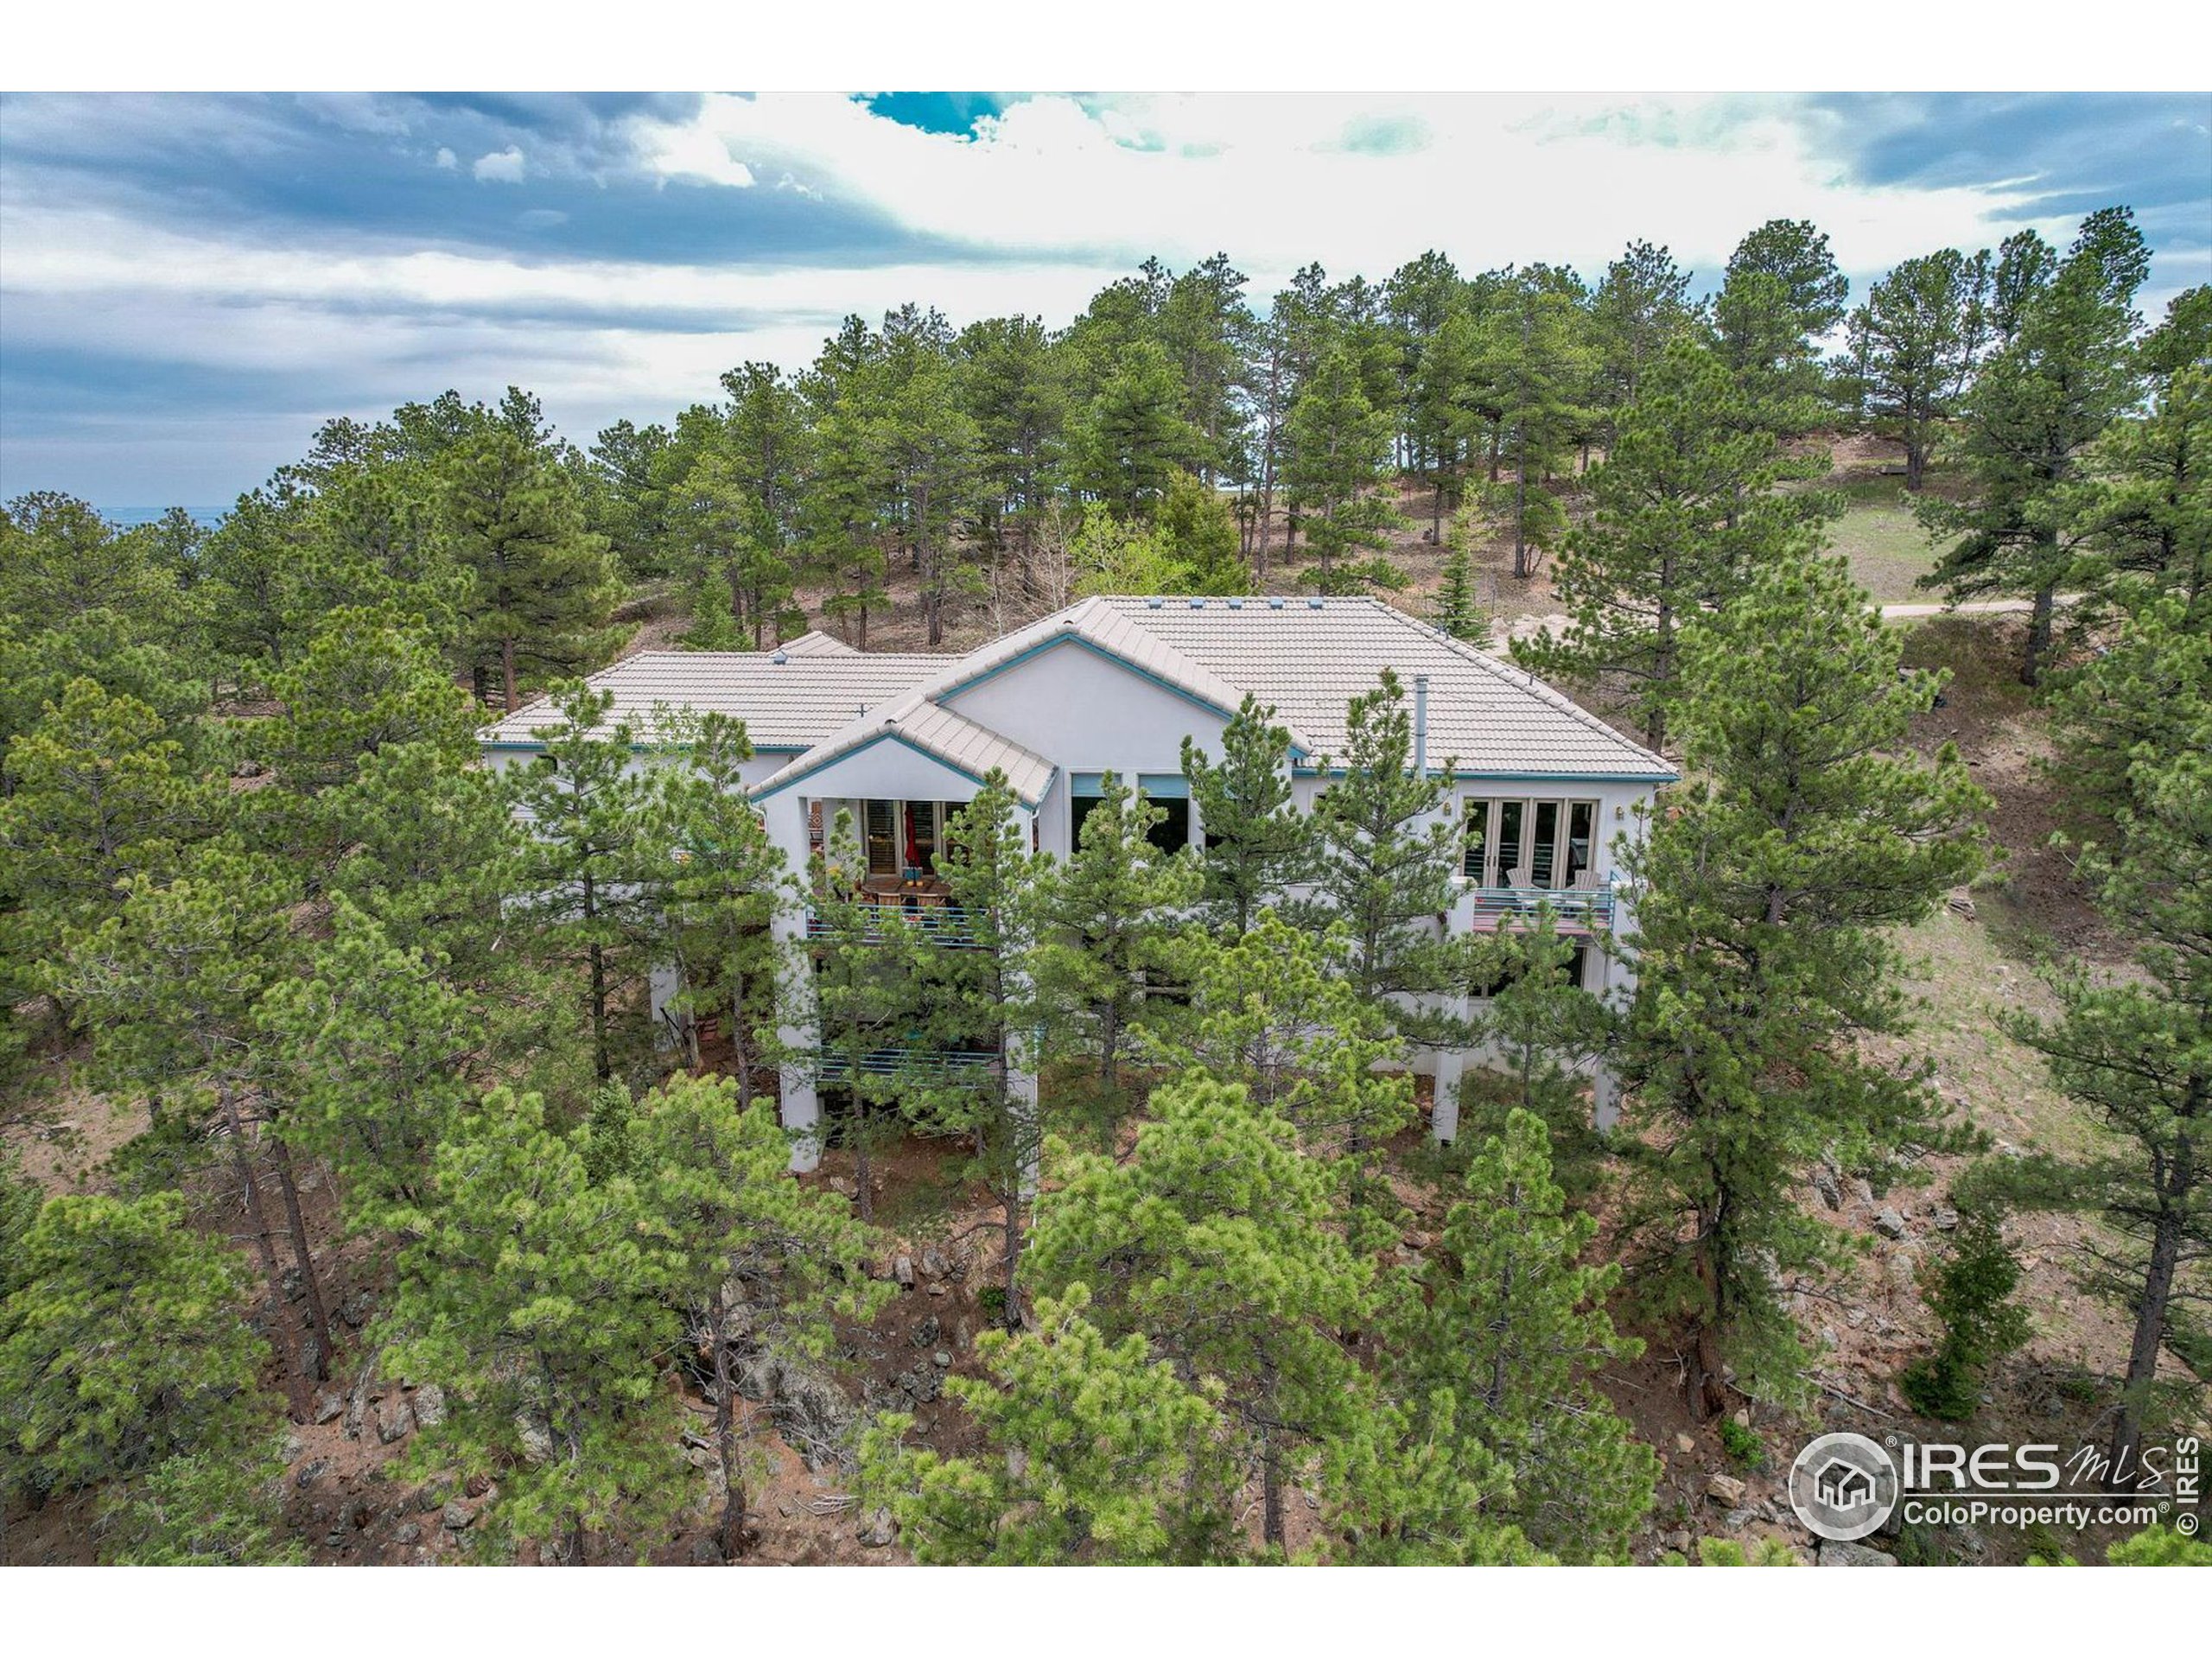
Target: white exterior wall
<point>1084,712</point>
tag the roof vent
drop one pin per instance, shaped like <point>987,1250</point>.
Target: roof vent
<point>1235,604</point>
<point>1275,604</point>
<point>1312,604</point>
<point>780,657</point>
<point>1198,604</point>
<point>1154,604</point>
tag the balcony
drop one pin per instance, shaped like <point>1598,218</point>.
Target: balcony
<point>1576,909</point>
<point>923,1067</point>
<point>927,916</point>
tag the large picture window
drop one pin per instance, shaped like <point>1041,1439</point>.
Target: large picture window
<point>1528,842</point>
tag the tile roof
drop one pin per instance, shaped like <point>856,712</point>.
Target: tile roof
<point>936,730</point>
<point>1485,715</point>
<point>788,706</point>
<point>1306,658</point>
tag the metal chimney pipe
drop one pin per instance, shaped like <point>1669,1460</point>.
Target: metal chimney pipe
<point>1421,727</point>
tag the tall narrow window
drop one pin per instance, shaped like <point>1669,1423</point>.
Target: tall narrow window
<point>882,837</point>
<point>1581,838</point>
<point>1512,820</point>
<point>1543,850</point>
<point>1476,864</point>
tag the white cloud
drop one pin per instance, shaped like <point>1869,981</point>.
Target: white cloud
<point>1267,177</point>
<point>500,167</point>
<point>446,159</point>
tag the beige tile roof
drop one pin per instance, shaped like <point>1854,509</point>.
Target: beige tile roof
<point>1487,716</point>
<point>815,643</point>
<point>936,730</point>
<point>822,699</point>
<point>788,706</point>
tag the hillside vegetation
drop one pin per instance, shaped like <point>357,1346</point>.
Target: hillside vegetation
<point>356,1207</point>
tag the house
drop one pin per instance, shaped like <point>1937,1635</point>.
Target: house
<point>1544,789</point>
<point>1842,1484</point>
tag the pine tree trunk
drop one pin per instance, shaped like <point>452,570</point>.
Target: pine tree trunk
<point>2039,625</point>
<point>2149,1322</point>
<point>1013,1250</point>
<point>740,1046</point>
<point>295,1384</point>
<point>863,1174</point>
<point>732,1526</point>
<point>507,673</point>
<point>281,1155</point>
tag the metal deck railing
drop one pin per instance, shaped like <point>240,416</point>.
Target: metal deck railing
<point>1573,907</point>
<point>951,925</point>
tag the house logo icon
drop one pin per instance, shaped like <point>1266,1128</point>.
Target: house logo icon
<point>1843,1487</point>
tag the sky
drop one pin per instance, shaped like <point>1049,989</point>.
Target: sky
<point>189,283</point>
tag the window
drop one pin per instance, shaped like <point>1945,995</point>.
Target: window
<point>882,818</point>
<point>1476,862</point>
<point>1571,975</point>
<point>1538,843</point>
<point>1078,809</point>
<point>1172,833</point>
<point>1581,837</point>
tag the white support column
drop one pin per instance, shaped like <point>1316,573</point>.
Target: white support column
<point>663,983</point>
<point>1444,1118</point>
<point>1605,1098</point>
<point>1021,1096</point>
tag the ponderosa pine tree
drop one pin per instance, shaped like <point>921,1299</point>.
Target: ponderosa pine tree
<point>1271,1009</point>
<point>2140,515</point>
<point>592,862</point>
<point>1546,1034</point>
<point>540,1300</point>
<point>1769,888</point>
<point>167,987</point>
<point>1257,843</point>
<point>2039,401</point>
<point>2138,1052</point>
<point>1214,1239</point>
<point>1012,384</point>
<point>1781,296</point>
<point>124,1350</point>
<point>1640,308</point>
<point>373,1053</point>
<point>541,588</point>
<point>1386,853</point>
<point>1534,358</point>
<point>97,794</point>
<point>1490,1355</point>
<point>1105,925</point>
<point>1338,463</point>
<point>1093,1452</point>
<point>869,970</point>
<point>765,1263</point>
<point>1684,511</point>
<point>728,886</point>
<point>1915,341</point>
<point>980,1000</point>
<point>1130,440</point>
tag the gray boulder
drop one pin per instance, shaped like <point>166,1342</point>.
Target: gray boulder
<point>1838,1555</point>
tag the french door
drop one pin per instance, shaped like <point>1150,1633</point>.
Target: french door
<point>1528,842</point>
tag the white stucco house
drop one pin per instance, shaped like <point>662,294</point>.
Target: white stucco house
<point>1544,789</point>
